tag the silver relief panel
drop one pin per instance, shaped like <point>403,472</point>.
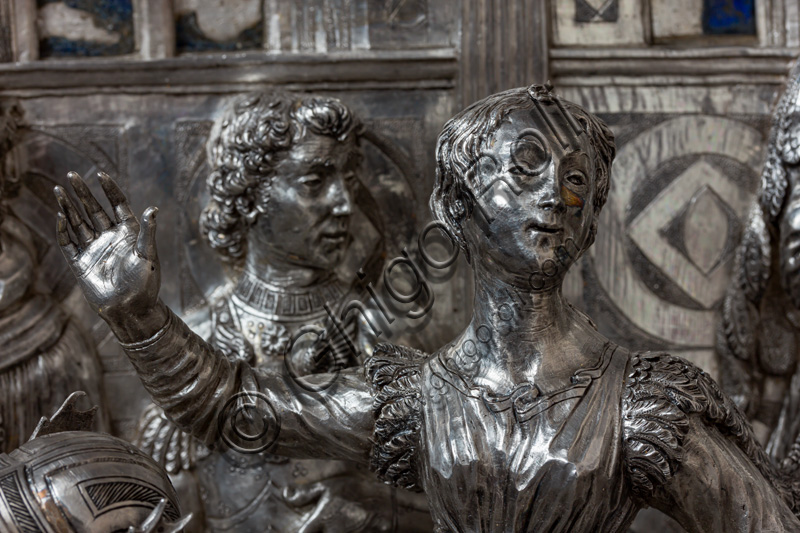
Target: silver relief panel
<point>681,191</point>
<point>162,145</point>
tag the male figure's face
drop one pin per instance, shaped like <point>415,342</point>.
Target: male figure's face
<point>304,216</point>
<point>535,200</point>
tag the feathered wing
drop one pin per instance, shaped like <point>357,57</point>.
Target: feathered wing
<point>161,439</point>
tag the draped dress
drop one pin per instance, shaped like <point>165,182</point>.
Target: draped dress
<point>633,430</point>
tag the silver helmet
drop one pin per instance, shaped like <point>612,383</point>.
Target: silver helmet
<point>82,482</point>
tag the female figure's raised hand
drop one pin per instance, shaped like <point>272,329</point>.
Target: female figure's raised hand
<point>115,261</point>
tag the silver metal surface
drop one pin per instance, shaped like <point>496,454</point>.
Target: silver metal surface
<point>758,330</point>
<point>66,480</point>
<point>281,215</point>
<point>44,355</point>
<point>530,419</point>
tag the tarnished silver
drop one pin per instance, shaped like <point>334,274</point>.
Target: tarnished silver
<point>66,479</point>
<point>529,420</point>
<point>757,338</point>
<point>44,355</point>
<point>284,187</point>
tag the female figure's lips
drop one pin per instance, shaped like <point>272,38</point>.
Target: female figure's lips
<point>544,228</point>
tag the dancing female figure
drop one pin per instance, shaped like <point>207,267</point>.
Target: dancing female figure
<point>530,420</point>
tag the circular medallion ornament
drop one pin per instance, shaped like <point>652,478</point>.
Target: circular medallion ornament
<point>664,250</point>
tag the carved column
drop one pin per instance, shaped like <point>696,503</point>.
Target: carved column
<point>155,28</point>
<point>6,38</point>
<point>23,35</point>
<point>503,45</point>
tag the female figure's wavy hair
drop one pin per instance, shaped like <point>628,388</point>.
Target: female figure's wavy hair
<point>245,146</point>
<point>463,137</point>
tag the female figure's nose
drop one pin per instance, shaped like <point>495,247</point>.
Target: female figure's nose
<point>549,198</point>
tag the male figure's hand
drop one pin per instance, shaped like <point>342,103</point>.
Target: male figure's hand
<point>115,261</point>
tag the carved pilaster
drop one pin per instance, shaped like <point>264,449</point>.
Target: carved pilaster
<point>6,51</point>
<point>503,45</point>
<point>155,28</point>
<point>24,37</point>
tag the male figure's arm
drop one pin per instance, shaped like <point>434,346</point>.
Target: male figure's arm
<point>219,402</point>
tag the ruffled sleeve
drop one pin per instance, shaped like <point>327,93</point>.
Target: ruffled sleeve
<point>689,452</point>
<point>662,393</point>
<point>394,374</point>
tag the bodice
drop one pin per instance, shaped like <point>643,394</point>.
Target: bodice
<point>579,458</point>
<point>540,458</point>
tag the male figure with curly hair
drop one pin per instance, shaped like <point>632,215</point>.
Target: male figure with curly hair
<point>529,420</point>
<point>282,187</point>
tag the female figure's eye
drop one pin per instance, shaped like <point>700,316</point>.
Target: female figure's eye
<point>576,178</point>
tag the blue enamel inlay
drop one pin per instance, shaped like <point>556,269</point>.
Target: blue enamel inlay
<point>115,16</point>
<point>729,17</point>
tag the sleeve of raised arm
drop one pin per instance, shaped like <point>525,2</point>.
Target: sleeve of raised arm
<point>231,404</point>
<point>690,453</point>
<point>718,488</point>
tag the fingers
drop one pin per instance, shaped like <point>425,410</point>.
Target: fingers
<point>68,248</point>
<point>122,210</point>
<point>97,215</point>
<point>146,242</point>
<point>80,228</point>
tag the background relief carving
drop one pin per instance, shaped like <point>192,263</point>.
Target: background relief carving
<point>691,124</point>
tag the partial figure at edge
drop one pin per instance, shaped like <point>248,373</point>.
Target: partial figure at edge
<point>758,338</point>
<point>45,355</point>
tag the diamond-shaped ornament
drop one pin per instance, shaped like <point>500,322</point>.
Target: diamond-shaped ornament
<point>596,10</point>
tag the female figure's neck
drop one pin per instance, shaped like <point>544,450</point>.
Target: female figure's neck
<point>517,327</point>
<point>534,310</point>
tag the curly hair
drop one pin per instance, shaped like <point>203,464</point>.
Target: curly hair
<point>245,146</point>
<point>462,139</point>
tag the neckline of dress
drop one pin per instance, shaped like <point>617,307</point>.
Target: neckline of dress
<point>526,399</point>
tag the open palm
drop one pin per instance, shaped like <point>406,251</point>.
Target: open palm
<point>114,261</point>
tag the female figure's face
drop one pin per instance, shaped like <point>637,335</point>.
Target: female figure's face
<point>535,202</point>
<point>304,215</point>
